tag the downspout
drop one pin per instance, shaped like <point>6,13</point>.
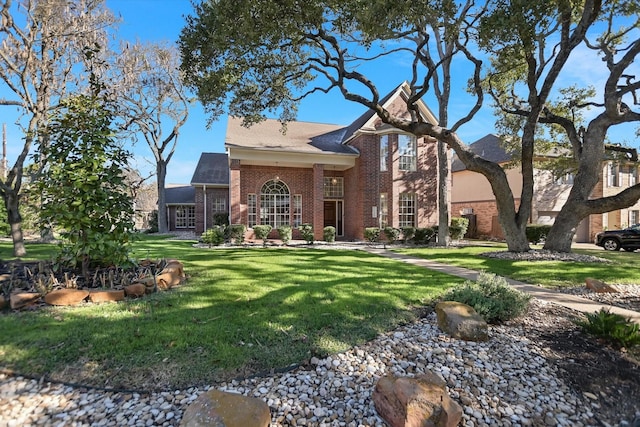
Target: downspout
<point>204,190</point>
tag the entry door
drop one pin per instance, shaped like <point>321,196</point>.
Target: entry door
<point>333,213</point>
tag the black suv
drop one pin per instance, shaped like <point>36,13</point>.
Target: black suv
<point>614,240</point>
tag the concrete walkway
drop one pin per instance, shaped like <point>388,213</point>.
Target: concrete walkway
<point>570,301</point>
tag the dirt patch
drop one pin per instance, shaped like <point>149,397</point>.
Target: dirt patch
<point>607,376</point>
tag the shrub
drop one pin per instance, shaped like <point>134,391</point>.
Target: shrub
<point>372,234</point>
<point>307,232</point>
<point>423,235</point>
<point>236,232</point>
<point>214,236</point>
<point>458,227</point>
<point>408,233</point>
<point>492,297</point>
<point>284,232</point>
<point>613,327</point>
<point>220,218</point>
<point>391,234</point>
<point>537,232</point>
<point>262,232</point>
<point>329,234</point>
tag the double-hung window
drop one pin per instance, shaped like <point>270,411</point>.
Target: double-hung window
<point>407,151</point>
<point>407,210</point>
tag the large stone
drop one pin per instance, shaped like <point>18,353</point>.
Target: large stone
<point>20,300</point>
<point>106,296</point>
<point>599,286</point>
<point>415,402</point>
<point>66,297</point>
<point>221,409</point>
<point>461,321</point>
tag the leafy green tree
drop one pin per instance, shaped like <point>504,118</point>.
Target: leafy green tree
<point>525,82</point>
<point>41,45</point>
<point>275,54</point>
<point>252,58</point>
<point>84,189</point>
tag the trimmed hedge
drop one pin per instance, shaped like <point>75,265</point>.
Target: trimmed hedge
<point>458,227</point>
<point>329,234</point>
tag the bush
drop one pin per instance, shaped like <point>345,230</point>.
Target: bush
<point>458,227</point>
<point>262,232</point>
<point>408,233</point>
<point>284,232</point>
<point>537,232</point>
<point>422,236</point>
<point>214,236</point>
<point>613,327</point>
<point>492,297</point>
<point>220,218</point>
<point>391,234</point>
<point>235,233</point>
<point>372,234</point>
<point>153,223</point>
<point>307,232</point>
<point>329,234</point>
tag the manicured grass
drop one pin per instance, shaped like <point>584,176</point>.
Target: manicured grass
<point>623,267</point>
<point>242,311</point>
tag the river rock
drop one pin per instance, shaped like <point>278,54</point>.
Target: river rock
<point>223,409</point>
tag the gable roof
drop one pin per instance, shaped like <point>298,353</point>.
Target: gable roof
<point>212,169</point>
<point>366,122</point>
<point>314,138</point>
<point>302,137</point>
<point>488,147</point>
<point>180,195</point>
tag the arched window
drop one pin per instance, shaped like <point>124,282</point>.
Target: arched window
<point>274,204</point>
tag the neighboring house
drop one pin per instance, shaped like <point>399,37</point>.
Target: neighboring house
<point>471,193</point>
<point>366,174</point>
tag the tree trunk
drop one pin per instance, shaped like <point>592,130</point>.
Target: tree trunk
<point>161,174</point>
<point>575,208</point>
<point>444,205</point>
<point>513,229</point>
<point>564,228</point>
<point>11,202</point>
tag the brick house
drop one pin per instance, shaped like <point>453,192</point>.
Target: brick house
<point>471,193</point>
<point>366,174</point>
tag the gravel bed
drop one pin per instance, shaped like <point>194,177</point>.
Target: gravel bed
<point>504,382</point>
<point>628,296</point>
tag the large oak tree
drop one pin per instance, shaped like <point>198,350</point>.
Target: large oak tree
<point>255,57</point>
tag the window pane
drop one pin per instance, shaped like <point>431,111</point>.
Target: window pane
<point>384,210</point>
<point>252,210</point>
<point>333,187</point>
<point>384,152</point>
<point>407,152</point>
<point>297,210</point>
<point>407,210</point>
<point>185,217</point>
<point>274,204</point>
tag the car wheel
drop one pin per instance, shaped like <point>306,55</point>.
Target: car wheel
<point>611,244</point>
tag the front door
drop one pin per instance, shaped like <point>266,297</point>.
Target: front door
<point>333,213</point>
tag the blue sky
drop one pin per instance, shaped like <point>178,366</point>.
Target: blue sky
<point>162,20</point>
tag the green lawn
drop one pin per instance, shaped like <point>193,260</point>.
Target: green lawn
<point>623,267</point>
<point>242,311</point>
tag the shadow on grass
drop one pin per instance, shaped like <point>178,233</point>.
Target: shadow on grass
<point>242,312</point>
